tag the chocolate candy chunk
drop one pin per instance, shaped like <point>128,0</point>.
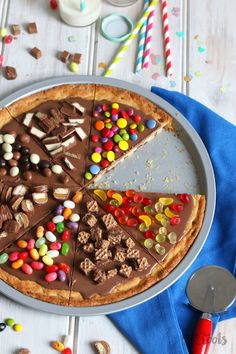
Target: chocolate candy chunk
<point>16,30</point>
<point>125,270</point>
<point>112,273</point>
<point>64,56</point>
<point>83,237</point>
<point>42,188</point>
<point>32,27</point>
<point>20,190</point>
<point>92,206</point>
<point>89,219</point>
<point>11,226</point>
<point>58,131</point>
<point>40,198</point>
<point>22,220</point>
<point>57,116</point>
<point>10,73</point>
<point>36,53</point>
<point>15,202</point>
<point>61,193</point>
<point>27,206</point>
<point>77,58</point>
<point>87,266</point>
<point>99,275</point>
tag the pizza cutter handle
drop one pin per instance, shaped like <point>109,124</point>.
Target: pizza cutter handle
<point>202,335</point>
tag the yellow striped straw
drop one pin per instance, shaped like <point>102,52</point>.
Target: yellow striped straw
<point>125,46</point>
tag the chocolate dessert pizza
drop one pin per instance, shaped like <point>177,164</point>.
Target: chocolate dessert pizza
<point>63,242</point>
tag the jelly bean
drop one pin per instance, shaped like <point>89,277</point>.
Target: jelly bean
<point>172,237</point>
<point>147,220</point>
<point>74,68</point>
<point>57,219</point>
<point>41,241</point>
<point>94,169</point>
<point>2,326</point>
<point>51,226</point>
<point>175,220</point>
<point>151,123</point>
<point>27,269</point>
<point>123,145</point>
<point>23,255</point>
<point>40,231</point>
<point>3,258</point>
<point>34,254</point>
<point>137,198</point>
<point>47,260</point>
<point>146,201</point>
<point>143,227</point>
<point>43,250</point>
<point>129,193</point>
<point>72,225</point>
<point>148,243</point>
<point>10,322</point>
<point>50,236</point>
<point>61,275</point>
<point>59,210</point>
<point>67,351</point>
<point>66,235</point>
<point>77,197</point>
<point>69,204</point>
<point>160,249</point>
<point>31,244</point>
<point>74,217</point>
<point>141,128</point>
<point>96,157</point>
<point>22,244</point>
<point>14,256</point>
<point>51,269</point>
<point>166,201</point>
<point>169,213</point>
<point>8,39</point>
<point>60,227</point>
<point>185,198</point>
<point>123,219</point>
<point>37,265</point>
<point>65,249</point>
<point>18,327</point>
<point>132,222</point>
<point>50,277</point>
<point>99,125</point>
<point>55,246</point>
<point>88,176</point>
<point>65,267</point>
<point>150,234</point>
<point>177,207</point>
<point>17,264</point>
<point>53,253</point>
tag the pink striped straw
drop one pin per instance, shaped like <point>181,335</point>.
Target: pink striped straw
<point>165,22</point>
<point>148,40</point>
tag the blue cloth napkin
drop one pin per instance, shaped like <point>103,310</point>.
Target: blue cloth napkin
<point>165,324</point>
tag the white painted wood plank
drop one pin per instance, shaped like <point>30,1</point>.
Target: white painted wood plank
<point>155,75</point>
<point>214,24</point>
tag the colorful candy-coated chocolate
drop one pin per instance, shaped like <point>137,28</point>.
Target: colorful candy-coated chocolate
<point>67,351</point>
<point>123,145</point>
<point>40,231</point>
<point>51,226</point>
<point>95,138</point>
<point>9,322</point>
<point>94,169</point>
<point>65,267</point>
<point>51,269</point>
<point>141,128</point>
<point>151,123</point>
<point>2,326</point>
<point>72,225</point>
<point>27,269</point>
<point>133,137</point>
<point>60,227</point>
<point>18,327</point>
<point>50,277</point>
<point>31,244</point>
<point>34,254</point>
<point>74,68</point>
<point>96,157</point>
<point>55,246</point>
<point>61,275</point>
<point>17,264</point>
<point>104,163</point>
<point>3,32</point>
<point>37,265</point>
<point>22,244</point>
<point>99,125</point>
<point>65,249</point>
<point>88,176</point>
<point>47,260</point>
<point>98,149</point>
<point>121,123</point>
<point>3,258</point>
<point>14,256</point>
<point>23,255</point>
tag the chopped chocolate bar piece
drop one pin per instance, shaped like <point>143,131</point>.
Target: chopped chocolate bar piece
<point>61,193</point>
<point>57,116</point>
<point>69,143</point>
<point>87,266</point>
<point>79,108</point>
<point>99,275</point>
<point>83,237</point>
<point>112,273</point>
<point>36,53</point>
<point>119,256</point>
<point>109,221</point>
<point>28,118</point>
<point>58,152</point>
<point>92,206</point>
<point>81,134</point>
<point>47,125</point>
<point>125,270</point>
<point>40,198</point>
<point>53,146</point>
<point>16,30</point>
<point>32,27</point>
<point>101,254</point>
<point>89,248</point>
<point>64,135</point>
<point>76,58</point>
<point>129,243</point>
<point>76,120</point>
<point>51,140</point>
<point>11,226</point>
<point>95,233</point>
<point>37,132</point>
<point>69,164</point>
<point>10,73</point>
<point>59,130</point>
<point>64,56</point>
<point>132,253</point>
<point>15,202</point>
<point>89,219</point>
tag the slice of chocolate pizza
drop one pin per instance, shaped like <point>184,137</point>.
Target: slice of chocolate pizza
<point>59,120</point>
<point>122,121</point>
<point>40,263</point>
<point>166,225</point>
<point>109,264</point>
<point>23,160</point>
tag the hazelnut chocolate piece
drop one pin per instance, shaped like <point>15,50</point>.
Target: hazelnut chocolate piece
<point>10,73</point>
<point>32,27</point>
<point>36,53</point>
<point>64,56</point>
<point>76,58</point>
<point>16,30</point>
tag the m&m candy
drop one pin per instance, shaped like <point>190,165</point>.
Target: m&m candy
<point>151,123</point>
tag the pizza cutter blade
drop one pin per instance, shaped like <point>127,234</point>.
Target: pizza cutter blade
<point>210,289</point>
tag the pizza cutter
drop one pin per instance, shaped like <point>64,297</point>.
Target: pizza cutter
<point>210,289</point>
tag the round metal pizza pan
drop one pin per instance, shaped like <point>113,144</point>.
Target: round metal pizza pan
<point>203,174</point>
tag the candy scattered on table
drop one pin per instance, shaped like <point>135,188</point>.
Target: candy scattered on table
<point>74,68</point>
<point>10,73</point>
<point>3,32</point>
<point>2,326</point>
<point>102,347</point>
<point>24,351</point>
<point>9,322</point>
<point>53,4</point>
<point>16,30</point>
<point>32,28</point>
<point>18,327</point>
<point>36,53</point>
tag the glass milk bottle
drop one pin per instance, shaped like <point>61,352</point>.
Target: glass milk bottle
<point>79,12</point>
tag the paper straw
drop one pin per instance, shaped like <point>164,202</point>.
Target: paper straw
<point>127,43</point>
<point>168,59</point>
<point>142,36</point>
<point>148,40</point>
<point>83,5</point>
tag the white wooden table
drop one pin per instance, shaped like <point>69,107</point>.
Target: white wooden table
<point>204,52</point>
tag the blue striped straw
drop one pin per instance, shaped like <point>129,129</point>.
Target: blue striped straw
<point>141,44</point>
<point>83,5</point>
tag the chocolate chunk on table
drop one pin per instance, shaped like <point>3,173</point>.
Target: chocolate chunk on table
<point>77,58</point>
<point>32,27</point>
<point>10,73</point>
<point>36,53</point>
<point>64,56</point>
<point>16,31</point>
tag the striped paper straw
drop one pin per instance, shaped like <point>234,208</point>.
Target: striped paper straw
<point>148,40</point>
<point>142,36</point>
<point>165,21</point>
<point>127,43</point>
<point>83,5</point>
